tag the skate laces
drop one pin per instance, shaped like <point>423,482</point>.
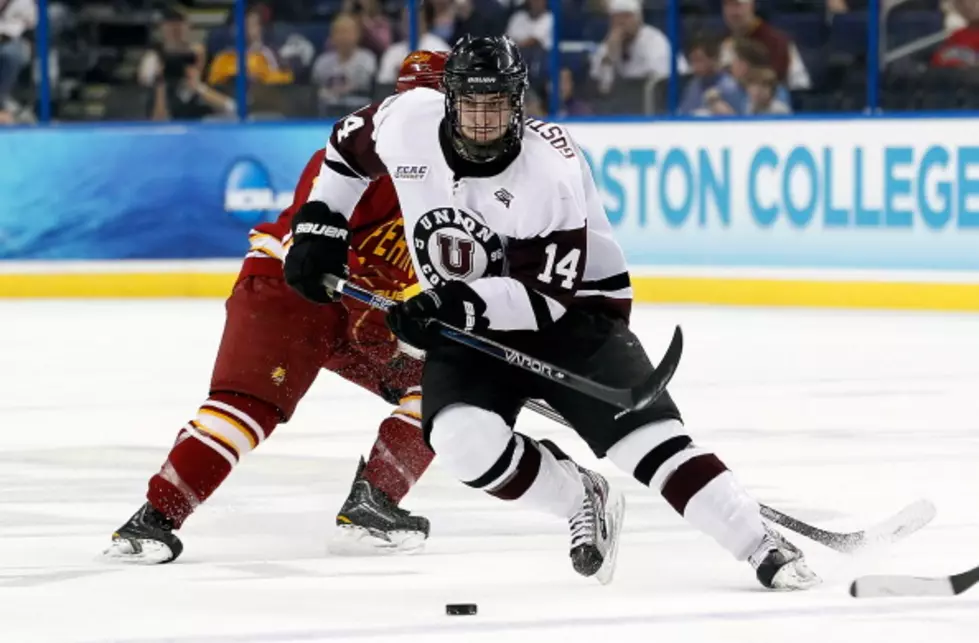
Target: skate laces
<point>783,543</point>
<point>773,541</point>
<point>583,521</point>
<point>766,545</point>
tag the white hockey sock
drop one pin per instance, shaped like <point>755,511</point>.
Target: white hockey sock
<point>694,481</point>
<point>480,449</point>
<point>725,511</point>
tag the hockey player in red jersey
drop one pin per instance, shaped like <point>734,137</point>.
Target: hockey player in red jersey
<point>274,344</point>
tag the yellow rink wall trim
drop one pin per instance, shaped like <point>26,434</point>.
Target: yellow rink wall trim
<point>823,294</point>
<point>906,295</point>
<point>112,284</point>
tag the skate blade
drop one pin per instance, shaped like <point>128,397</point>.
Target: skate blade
<point>616,510</point>
<point>794,577</point>
<point>138,552</point>
<point>349,540</point>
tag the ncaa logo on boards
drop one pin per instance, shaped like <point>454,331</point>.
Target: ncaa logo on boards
<point>249,196</point>
<point>453,244</point>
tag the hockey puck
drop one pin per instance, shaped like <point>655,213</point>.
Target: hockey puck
<point>460,609</point>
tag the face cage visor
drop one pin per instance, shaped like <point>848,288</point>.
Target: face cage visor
<point>486,113</point>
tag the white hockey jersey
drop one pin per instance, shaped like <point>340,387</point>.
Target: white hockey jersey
<point>529,234</point>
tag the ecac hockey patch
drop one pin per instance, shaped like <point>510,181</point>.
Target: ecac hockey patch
<point>411,172</point>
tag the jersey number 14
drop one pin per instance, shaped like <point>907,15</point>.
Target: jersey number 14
<point>351,124</point>
<point>567,267</point>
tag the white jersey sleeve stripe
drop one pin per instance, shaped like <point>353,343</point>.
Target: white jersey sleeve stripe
<point>512,306</point>
<point>624,293</point>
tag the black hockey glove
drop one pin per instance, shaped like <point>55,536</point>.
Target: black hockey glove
<point>454,303</point>
<point>320,240</point>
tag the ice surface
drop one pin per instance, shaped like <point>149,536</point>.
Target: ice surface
<point>840,418</point>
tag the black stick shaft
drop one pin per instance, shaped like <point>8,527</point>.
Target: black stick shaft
<point>627,399</point>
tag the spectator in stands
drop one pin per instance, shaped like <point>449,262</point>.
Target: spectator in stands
<point>16,17</point>
<point>741,19</point>
<point>749,55</point>
<point>703,53</point>
<point>443,22</point>
<point>953,17</point>
<point>478,18</point>
<point>182,95</point>
<point>174,38</point>
<point>282,10</point>
<point>296,55</point>
<point>391,60</point>
<point>15,114</point>
<point>375,27</point>
<point>345,75</point>
<point>263,64</point>
<point>761,84</point>
<point>534,105</point>
<point>961,48</point>
<point>532,26</point>
<point>631,49</point>
<point>570,104</point>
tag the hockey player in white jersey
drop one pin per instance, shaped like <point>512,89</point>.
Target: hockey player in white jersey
<point>509,239</point>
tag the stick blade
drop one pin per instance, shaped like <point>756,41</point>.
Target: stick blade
<point>897,586</point>
<point>654,386</point>
<point>909,520</point>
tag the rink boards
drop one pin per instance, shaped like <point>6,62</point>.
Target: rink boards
<point>188,279</point>
<point>880,213</point>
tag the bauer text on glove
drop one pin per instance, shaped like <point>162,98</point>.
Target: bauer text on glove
<point>320,240</point>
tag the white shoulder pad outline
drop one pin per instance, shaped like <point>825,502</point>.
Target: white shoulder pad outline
<point>381,114</point>
<point>386,107</point>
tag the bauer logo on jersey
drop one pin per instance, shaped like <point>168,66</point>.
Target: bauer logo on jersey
<point>411,172</point>
<point>504,197</point>
<point>453,244</point>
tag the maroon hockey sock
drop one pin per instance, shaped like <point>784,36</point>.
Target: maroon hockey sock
<point>202,457</point>
<point>690,478</point>
<point>399,457</point>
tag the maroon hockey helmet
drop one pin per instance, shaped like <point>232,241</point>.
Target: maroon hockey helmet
<point>422,68</point>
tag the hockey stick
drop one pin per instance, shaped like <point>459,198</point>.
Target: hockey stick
<point>629,399</point>
<point>900,525</point>
<point>906,522</point>
<point>898,585</point>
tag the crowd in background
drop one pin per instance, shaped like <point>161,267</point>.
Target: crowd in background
<point>138,59</point>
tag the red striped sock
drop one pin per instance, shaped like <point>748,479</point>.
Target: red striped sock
<point>398,459</point>
<point>199,462</point>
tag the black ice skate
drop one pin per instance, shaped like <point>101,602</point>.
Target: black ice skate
<point>147,538</point>
<point>595,528</point>
<point>369,523</point>
<point>780,565</point>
